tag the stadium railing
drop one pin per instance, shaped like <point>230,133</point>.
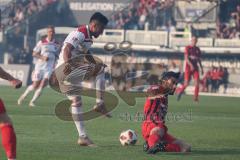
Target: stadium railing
<point>156,40</point>
<point>227,43</point>
<point>159,38</point>
<point>179,39</point>
<point>116,36</point>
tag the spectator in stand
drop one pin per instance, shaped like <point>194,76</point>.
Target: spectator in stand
<point>214,78</point>
<point>220,74</point>
<point>225,79</point>
<point>236,16</point>
<point>230,30</point>
<point>143,19</point>
<point>32,7</point>
<point>19,15</point>
<point>112,22</point>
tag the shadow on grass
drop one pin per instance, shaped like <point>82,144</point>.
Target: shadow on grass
<point>223,151</point>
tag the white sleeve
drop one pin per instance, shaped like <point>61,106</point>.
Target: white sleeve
<point>37,48</point>
<point>75,38</point>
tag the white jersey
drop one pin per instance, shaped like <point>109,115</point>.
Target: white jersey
<point>80,39</point>
<point>48,49</point>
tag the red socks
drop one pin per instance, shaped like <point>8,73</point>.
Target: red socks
<point>9,141</point>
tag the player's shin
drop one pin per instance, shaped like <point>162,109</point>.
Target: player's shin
<point>196,92</point>
<point>9,141</point>
<point>36,95</point>
<point>24,95</point>
<point>77,111</point>
<point>100,87</point>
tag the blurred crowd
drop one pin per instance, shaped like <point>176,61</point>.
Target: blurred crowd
<point>140,14</point>
<point>158,15</point>
<point>16,11</point>
<point>214,78</point>
<point>230,30</point>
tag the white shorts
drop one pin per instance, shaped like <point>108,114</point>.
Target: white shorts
<point>38,75</point>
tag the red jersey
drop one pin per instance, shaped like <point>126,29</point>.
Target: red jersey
<point>155,110</point>
<point>193,53</point>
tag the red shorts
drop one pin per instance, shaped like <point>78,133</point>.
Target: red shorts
<point>188,73</point>
<point>2,107</point>
<point>148,126</point>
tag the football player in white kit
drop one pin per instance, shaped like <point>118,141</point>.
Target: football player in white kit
<point>44,53</point>
<point>78,43</point>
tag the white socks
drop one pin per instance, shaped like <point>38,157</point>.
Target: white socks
<point>36,95</point>
<point>78,120</point>
<point>100,87</point>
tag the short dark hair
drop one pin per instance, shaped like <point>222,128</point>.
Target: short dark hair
<point>97,16</point>
<point>51,27</point>
<point>170,74</point>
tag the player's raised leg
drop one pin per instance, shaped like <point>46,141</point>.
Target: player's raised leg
<point>100,89</point>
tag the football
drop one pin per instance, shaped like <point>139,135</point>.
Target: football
<point>128,137</point>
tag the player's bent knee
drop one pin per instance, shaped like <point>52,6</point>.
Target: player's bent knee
<point>35,85</point>
<point>158,131</point>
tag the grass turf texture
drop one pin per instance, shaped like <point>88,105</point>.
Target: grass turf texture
<point>211,127</point>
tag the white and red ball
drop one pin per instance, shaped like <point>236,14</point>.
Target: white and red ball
<point>128,137</point>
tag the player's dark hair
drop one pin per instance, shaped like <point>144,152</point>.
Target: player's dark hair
<point>167,75</point>
<point>51,27</point>
<point>97,16</point>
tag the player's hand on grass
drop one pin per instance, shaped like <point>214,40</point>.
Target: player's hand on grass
<point>16,83</point>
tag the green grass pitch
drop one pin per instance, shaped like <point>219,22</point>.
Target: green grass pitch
<point>212,127</point>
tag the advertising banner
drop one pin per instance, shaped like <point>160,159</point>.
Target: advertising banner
<point>18,71</point>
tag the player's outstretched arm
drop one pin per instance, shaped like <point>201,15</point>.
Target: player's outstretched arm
<point>201,67</point>
<point>14,82</point>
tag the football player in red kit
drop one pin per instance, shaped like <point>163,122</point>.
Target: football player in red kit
<point>154,130</point>
<point>6,127</point>
<point>192,58</point>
